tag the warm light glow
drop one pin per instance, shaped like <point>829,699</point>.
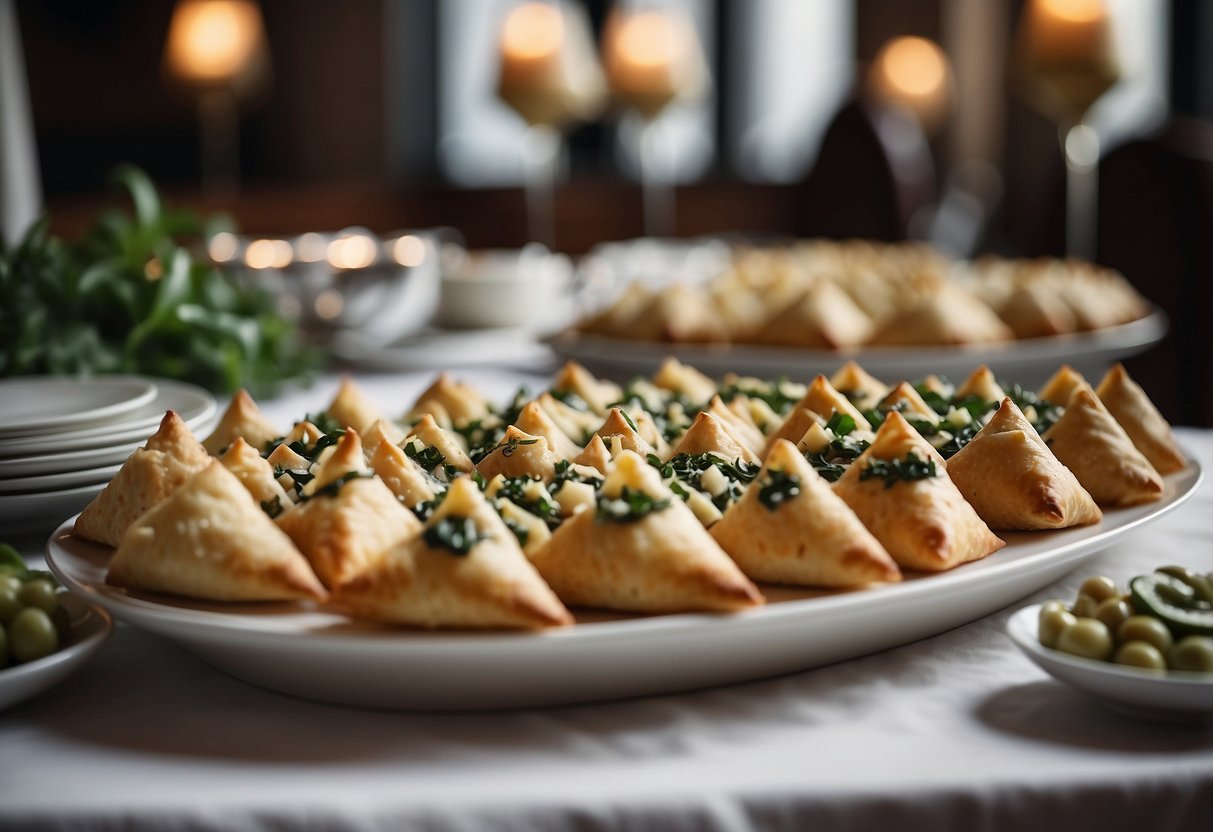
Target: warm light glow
<point>223,247</point>
<point>268,254</point>
<point>914,65</point>
<point>328,304</point>
<point>408,251</point>
<point>1077,11</point>
<point>356,251</point>
<point>310,247</point>
<point>649,39</point>
<point>532,31</point>
<point>214,41</point>
<point>152,270</point>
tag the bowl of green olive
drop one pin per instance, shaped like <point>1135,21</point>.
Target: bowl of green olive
<point>45,633</point>
<point>1146,646</point>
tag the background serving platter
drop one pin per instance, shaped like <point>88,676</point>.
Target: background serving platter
<point>305,651</point>
<point>1029,361</point>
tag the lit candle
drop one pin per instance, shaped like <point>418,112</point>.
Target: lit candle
<point>547,70</point>
<point>216,42</point>
<point>652,58</point>
<point>1066,47</point>
<point>915,74</point>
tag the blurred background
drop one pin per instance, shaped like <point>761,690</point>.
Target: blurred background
<point>970,124</point>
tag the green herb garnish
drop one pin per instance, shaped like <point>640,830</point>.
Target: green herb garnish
<point>273,507</point>
<point>629,506</point>
<point>131,298</point>
<point>841,424</point>
<point>330,489</point>
<point>690,468</point>
<point>773,392</point>
<point>428,457</point>
<point>510,445</point>
<point>776,488</point>
<point>893,471</point>
<point>456,534</point>
<point>517,490</point>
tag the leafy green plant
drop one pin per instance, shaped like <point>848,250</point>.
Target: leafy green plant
<point>130,297</point>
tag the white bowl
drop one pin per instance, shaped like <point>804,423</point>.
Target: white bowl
<point>497,288</point>
<point>90,628</point>
<point>1174,695</point>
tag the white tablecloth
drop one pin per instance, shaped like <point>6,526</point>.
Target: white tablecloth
<point>959,731</point>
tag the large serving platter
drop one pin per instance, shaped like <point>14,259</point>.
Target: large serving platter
<point>306,651</point>
<point>1028,361</point>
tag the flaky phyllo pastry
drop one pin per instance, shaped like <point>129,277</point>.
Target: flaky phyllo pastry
<point>520,455</point>
<point>641,550</point>
<point>346,516</point>
<point>1133,410</point>
<point>1092,444</point>
<point>352,408</point>
<point>901,492</point>
<point>463,569</point>
<point>790,527</point>
<point>210,540</point>
<point>256,475</point>
<point>707,434</point>
<point>170,457</point>
<point>1009,475</point>
<point>244,420</point>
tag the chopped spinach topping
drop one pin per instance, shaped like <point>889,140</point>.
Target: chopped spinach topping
<point>912,468</point>
<point>874,417</point>
<point>299,478</point>
<point>628,419</point>
<point>510,445</point>
<point>960,437</point>
<point>481,435</point>
<point>841,424</point>
<point>520,492</point>
<point>429,457</point>
<point>521,532</point>
<point>831,460</point>
<point>629,506</point>
<point>456,534</point>
<point>273,507</point>
<point>689,469</point>
<point>777,393</point>
<point>565,472</point>
<point>325,422</point>
<point>776,488</point>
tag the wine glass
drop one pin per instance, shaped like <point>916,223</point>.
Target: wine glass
<point>1066,60</point>
<point>549,75</point>
<point>653,59</point>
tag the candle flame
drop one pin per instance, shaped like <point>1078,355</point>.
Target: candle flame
<point>213,41</point>
<point>1075,11</point>
<point>913,65</point>
<point>649,39</point>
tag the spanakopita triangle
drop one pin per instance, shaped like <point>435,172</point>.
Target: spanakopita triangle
<point>465,569</point>
<point>1131,407</point>
<point>1009,475</point>
<point>791,528</point>
<point>209,540</point>
<point>641,550</point>
<point>899,489</point>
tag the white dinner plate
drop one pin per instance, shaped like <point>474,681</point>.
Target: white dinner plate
<point>29,466</point>
<point>307,651</point>
<point>1174,694</point>
<point>57,482</point>
<point>90,626</point>
<point>40,511</point>
<point>193,404</point>
<point>41,405</point>
<point>1030,361</point>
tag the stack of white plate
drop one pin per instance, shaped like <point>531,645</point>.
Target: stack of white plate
<point>63,439</point>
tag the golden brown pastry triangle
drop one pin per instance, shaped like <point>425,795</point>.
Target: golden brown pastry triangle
<point>662,560</point>
<point>1061,385</point>
<point>347,516</point>
<point>576,379</point>
<point>1009,475</point>
<point>209,540</point>
<point>257,477</point>
<point>403,477</point>
<point>739,427</point>
<point>924,523</point>
<point>171,456</point>
<point>860,387</point>
<point>595,455</point>
<point>823,399</point>
<point>429,434</point>
<point>905,399</point>
<point>520,454</point>
<point>578,425</point>
<point>685,380</point>
<point>352,408</point>
<point>1092,444</point>
<point>465,569</point>
<point>707,435</point>
<point>982,385</point>
<point>381,431</point>
<point>1132,408</point>
<point>823,318</point>
<point>241,419</point>
<point>534,420</point>
<point>793,428</point>
<point>620,426</point>
<point>791,528</point>
<point>455,402</point>
<point>944,317</point>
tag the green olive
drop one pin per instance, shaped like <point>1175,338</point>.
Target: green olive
<point>1099,587</point>
<point>1193,653</point>
<point>40,594</point>
<point>10,581</point>
<point>31,635</point>
<point>1145,628</point>
<point>1086,637</point>
<point>1085,606</point>
<point>1141,654</point>
<point>10,604</point>
<point>1054,618</point>
<point>1113,612</point>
